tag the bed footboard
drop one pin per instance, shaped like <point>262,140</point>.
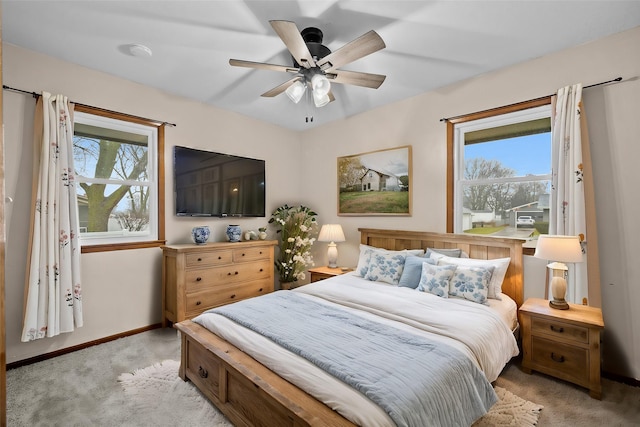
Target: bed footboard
<point>244,390</point>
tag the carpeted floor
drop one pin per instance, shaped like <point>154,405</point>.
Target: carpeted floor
<point>82,389</point>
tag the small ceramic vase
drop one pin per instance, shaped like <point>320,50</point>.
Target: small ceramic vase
<point>200,234</point>
<point>234,233</point>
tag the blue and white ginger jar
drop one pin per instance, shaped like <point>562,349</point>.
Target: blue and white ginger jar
<point>200,234</point>
<point>234,233</point>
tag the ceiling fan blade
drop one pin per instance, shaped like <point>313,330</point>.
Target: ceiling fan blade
<point>291,37</point>
<point>362,46</point>
<point>262,66</point>
<point>356,78</point>
<point>280,88</point>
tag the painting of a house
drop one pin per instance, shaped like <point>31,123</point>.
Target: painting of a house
<point>373,180</point>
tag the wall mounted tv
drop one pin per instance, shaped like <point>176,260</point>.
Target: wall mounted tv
<point>217,184</point>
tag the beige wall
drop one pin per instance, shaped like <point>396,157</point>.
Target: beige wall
<point>613,124</point>
<point>121,290</point>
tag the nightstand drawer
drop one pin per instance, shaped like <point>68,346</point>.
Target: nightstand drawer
<point>565,360</point>
<point>555,328</point>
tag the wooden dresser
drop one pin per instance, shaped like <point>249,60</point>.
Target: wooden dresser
<point>562,343</point>
<point>196,278</point>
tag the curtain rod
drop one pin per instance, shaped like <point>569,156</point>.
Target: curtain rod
<point>617,79</point>
<point>37,95</point>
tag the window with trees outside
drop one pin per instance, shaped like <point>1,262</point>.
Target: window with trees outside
<point>501,177</point>
<point>116,159</point>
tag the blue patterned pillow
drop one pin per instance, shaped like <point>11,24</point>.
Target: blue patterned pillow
<point>364,260</point>
<point>434,279</point>
<point>471,283</point>
<point>412,270</point>
<point>386,267</point>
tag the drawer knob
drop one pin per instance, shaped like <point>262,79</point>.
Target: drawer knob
<point>219,257</point>
<point>556,329</point>
<point>260,290</point>
<point>198,302</point>
<point>198,279</point>
<point>243,254</point>
<point>235,273</point>
<point>233,295</point>
<point>261,270</point>
<point>556,358</point>
<point>199,259</point>
<point>202,372</point>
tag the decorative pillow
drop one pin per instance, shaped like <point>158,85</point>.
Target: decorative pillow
<point>454,253</point>
<point>365,257</point>
<point>386,266</point>
<point>500,266</point>
<point>435,279</point>
<point>412,270</point>
<point>471,283</point>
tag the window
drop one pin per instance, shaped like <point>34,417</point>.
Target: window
<point>500,171</point>
<point>120,197</point>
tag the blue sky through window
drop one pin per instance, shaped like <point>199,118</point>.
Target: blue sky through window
<point>526,155</point>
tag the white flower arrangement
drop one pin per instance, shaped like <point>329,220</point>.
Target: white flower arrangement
<point>296,227</point>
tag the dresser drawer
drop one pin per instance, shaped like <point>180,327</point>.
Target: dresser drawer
<point>202,370</point>
<point>216,276</point>
<point>198,302</point>
<point>558,329</point>
<point>564,360</point>
<point>208,259</point>
<point>251,254</point>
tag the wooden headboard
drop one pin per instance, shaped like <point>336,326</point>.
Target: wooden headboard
<point>477,246</point>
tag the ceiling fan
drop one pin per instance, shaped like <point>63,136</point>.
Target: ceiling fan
<point>315,67</point>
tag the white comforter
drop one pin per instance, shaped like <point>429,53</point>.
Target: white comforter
<point>474,329</point>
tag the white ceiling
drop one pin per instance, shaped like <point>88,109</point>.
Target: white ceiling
<point>430,44</point>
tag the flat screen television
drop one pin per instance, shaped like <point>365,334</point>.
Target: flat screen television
<point>218,185</point>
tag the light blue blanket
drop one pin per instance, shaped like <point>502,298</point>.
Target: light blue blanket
<point>418,382</point>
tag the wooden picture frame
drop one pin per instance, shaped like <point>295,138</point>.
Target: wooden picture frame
<point>376,183</point>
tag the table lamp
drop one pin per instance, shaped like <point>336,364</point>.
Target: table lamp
<point>559,249</point>
<point>331,233</point>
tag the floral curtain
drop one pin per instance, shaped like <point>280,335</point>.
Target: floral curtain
<point>568,182</point>
<point>53,300</point>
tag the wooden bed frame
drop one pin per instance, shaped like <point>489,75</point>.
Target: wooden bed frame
<point>249,394</point>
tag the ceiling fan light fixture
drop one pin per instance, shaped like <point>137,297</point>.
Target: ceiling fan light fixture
<point>296,91</point>
<point>320,85</point>
<point>320,100</point>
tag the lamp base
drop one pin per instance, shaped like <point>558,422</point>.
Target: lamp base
<point>559,304</point>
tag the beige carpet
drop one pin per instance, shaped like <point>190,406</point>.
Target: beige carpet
<point>156,391</point>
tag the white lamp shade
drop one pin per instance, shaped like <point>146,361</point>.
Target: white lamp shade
<point>320,85</point>
<point>320,100</point>
<point>558,248</point>
<point>295,91</point>
<point>331,233</point>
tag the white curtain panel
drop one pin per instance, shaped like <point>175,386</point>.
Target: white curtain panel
<point>54,297</point>
<point>567,185</point>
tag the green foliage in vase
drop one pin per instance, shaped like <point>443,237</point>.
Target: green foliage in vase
<point>296,227</point>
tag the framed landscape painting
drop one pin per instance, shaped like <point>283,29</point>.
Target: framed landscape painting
<point>375,183</point>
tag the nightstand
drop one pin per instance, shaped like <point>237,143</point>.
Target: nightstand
<point>321,273</point>
<point>562,343</point>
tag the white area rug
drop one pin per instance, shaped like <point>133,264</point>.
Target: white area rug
<point>165,399</point>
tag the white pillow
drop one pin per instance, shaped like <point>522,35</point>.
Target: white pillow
<point>365,257</point>
<point>500,266</point>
